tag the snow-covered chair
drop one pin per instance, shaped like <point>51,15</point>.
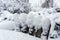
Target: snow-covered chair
<point>22,21</point>
<point>30,22</point>
<point>22,18</point>
<point>45,24</point>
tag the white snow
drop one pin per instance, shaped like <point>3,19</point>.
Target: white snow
<point>56,3</point>
<point>11,35</point>
<point>6,14</point>
<point>8,25</point>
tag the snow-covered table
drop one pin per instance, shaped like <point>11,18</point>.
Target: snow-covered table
<point>12,35</point>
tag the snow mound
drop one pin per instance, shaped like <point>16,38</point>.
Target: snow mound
<point>8,25</point>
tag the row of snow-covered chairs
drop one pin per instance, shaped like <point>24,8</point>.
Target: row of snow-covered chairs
<point>34,23</point>
<point>34,18</point>
<point>22,21</point>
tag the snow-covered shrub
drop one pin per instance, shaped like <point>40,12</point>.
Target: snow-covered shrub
<point>10,5</point>
<point>2,5</point>
<point>25,8</point>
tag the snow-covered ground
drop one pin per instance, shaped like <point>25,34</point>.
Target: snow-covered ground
<point>55,38</point>
<point>12,35</point>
